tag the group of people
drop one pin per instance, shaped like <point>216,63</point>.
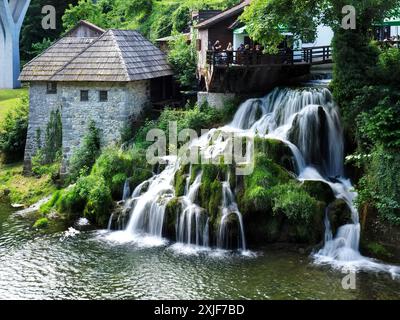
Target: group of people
<point>227,55</point>
<point>393,42</point>
<point>217,47</point>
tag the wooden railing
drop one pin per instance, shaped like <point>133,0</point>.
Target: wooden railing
<point>314,55</point>
<point>248,58</point>
<point>317,55</point>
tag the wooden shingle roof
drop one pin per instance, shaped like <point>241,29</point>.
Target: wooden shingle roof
<point>116,56</point>
<point>44,66</point>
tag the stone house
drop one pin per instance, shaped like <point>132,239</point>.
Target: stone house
<point>109,77</point>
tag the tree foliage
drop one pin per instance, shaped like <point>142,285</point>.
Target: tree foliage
<point>13,132</point>
<point>183,58</point>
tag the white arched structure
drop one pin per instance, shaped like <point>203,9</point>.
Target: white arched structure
<point>12,14</point>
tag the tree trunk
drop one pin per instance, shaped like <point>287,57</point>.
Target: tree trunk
<point>12,14</point>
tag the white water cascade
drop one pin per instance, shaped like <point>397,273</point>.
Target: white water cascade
<point>148,207</point>
<point>230,207</point>
<point>307,121</point>
<point>127,191</point>
<point>192,224</point>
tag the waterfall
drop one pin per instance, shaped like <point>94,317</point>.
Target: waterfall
<point>230,207</point>
<point>126,191</point>
<point>148,208</point>
<point>307,120</point>
<point>192,224</point>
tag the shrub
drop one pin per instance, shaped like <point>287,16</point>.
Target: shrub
<point>90,196</point>
<point>183,59</point>
<point>296,204</point>
<point>193,117</point>
<point>382,124</point>
<point>41,223</point>
<point>84,158</point>
<point>93,195</point>
<point>13,132</point>
<point>380,186</point>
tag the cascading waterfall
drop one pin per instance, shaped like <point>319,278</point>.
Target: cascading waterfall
<point>192,225</point>
<point>307,121</point>
<point>127,191</point>
<point>230,207</point>
<point>147,216</point>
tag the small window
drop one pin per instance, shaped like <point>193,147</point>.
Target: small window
<point>103,96</point>
<point>84,95</point>
<point>51,88</point>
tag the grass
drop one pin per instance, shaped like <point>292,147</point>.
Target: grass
<point>24,190</point>
<point>9,99</point>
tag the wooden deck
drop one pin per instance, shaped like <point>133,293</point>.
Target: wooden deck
<point>250,58</point>
<point>251,71</point>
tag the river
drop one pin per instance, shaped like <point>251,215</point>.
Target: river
<point>86,266</point>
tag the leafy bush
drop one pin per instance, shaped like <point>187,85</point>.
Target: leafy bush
<point>183,58</point>
<point>380,186</point>
<point>293,202</point>
<point>47,159</point>
<point>115,166</point>
<point>181,19</point>
<point>388,68</point>
<point>90,196</point>
<point>13,132</point>
<point>193,117</point>
<point>382,124</point>
<point>39,47</point>
<point>93,195</point>
<point>84,158</point>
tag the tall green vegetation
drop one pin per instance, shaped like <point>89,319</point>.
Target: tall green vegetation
<point>85,156</point>
<point>183,58</point>
<point>365,85</point>
<point>47,159</point>
<point>153,18</point>
<point>13,132</point>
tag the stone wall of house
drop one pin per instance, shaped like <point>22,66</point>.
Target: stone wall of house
<point>41,105</point>
<point>125,102</point>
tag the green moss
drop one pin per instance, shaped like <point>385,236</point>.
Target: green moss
<point>297,205</point>
<point>117,185</point>
<point>275,150</point>
<point>41,223</point>
<point>379,250</point>
<point>319,190</point>
<point>215,200</point>
<point>180,181</point>
<point>51,204</point>
<point>171,214</point>
<point>256,195</point>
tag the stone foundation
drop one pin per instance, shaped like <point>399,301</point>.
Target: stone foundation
<point>215,100</point>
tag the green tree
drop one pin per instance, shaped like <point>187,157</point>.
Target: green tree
<point>84,10</point>
<point>13,132</point>
<point>182,57</point>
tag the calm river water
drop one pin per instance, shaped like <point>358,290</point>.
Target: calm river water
<point>86,266</point>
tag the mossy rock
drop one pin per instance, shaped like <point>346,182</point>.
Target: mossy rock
<point>180,182</point>
<point>41,223</point>
<point>277,151</point>
<point>172,212</point>
<point>319,190</point>
<point>339,214</point>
